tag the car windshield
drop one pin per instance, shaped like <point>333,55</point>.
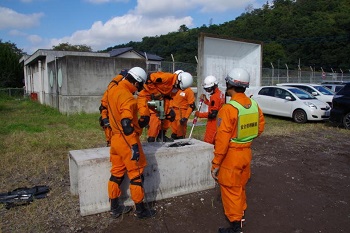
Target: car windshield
<point>301,94</point>
<point>345,90</point>
<point>323,90</point>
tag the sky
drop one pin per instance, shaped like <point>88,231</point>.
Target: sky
<point>41,24</point>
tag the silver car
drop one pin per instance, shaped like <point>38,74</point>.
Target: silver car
<point>291,102</point>
<point>317,90</point>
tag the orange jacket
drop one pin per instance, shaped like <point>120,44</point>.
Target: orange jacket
<point>104,100</point>
<point>158,86</point>
<point>215,102</point>
<point>122,104</point>
<point>227,128</point>
<point>184,100</point>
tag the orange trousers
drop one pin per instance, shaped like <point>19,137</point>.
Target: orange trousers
<point>210,131</point>
<point>176,127</point>
<point>233,176</point>
<point>155,125</point>
<point>120,157</point>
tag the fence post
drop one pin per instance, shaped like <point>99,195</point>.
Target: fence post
<point>287,73</point>
<point>272,74</point>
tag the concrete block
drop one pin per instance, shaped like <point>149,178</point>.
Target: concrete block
<point>173,169</point>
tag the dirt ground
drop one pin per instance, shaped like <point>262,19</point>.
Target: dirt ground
<point>299,184</point>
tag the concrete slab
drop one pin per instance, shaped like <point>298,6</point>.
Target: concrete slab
<point>173,169</point>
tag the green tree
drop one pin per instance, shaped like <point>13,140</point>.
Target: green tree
<point>68,47</point>
<point>11,70</point>
<point>316,31</point>
<point>183,28</point>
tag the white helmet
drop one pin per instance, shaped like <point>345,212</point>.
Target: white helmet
<point>139,74</point>
<point>178,71</point>
<point>185,80</point>
<point>210,81</point>
<point>238,77</point>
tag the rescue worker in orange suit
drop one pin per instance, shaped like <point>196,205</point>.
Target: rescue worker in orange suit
<point>215,102</point>
<point>161,86</point>
<point>239,122</point>
<point>104,120</point>
<point>183,104</point>
<point>126,154</point>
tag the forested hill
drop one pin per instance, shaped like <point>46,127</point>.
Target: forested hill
<point>315,31</point>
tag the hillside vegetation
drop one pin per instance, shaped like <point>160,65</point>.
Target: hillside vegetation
<point>314,32</point>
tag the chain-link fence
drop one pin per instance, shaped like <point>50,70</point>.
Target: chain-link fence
<point>13,92</point>
<point>274,76</point>
<point>269,76</point>
<point>174,66</point>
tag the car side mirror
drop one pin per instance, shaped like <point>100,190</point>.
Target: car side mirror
<point>288,98</point>
<point>314,93</point>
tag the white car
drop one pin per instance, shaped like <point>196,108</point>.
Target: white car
<point>291,102</point>
<point>317,90</point>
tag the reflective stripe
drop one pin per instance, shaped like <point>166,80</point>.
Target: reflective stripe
<point>248,122</point>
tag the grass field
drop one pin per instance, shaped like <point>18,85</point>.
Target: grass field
<point>34,145</point>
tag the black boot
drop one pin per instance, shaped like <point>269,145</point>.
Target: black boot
<point>143,212</point>
<point>175,137</point>
<point>151,139</point>
<point>235,228</point>
<point>161,136</point>
<point>117,210</point>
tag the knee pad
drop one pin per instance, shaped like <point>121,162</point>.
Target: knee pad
<point>138,180</point>
<point>117,180</point>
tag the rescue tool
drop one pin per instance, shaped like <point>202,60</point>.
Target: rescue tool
<point>196,118</point>
<point>23,196</point>
<point>159,107</point>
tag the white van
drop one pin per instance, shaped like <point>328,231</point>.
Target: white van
<point>317,90</point>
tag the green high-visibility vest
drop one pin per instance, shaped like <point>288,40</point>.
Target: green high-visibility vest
<point>248,122</point>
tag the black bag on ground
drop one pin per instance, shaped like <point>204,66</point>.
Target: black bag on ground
<point>23,196</point>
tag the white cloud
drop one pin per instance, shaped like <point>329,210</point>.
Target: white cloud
<point>221,5</point>
<point>122,30</point>
<point>35,39</point>
<point>105,1</point>
<point>157,8</point>
<point>148,18</point>
<point>163,7</point>
<point>12,19</point>
<point>16,33</point>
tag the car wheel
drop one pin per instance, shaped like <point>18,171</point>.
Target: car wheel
<point>299,116</point>
<point>346,121</point>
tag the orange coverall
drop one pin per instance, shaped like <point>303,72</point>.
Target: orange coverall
<point>183,104</point>
<point>122,104</point>
<point>217,99</point>
<point>159,86</point>
<point>104,107</point>
<point>233,159</point>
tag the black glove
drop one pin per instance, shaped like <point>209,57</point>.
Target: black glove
<point>143,121</point>
<point>105,122</point>
<point>171,115</point>
<point>213,114</point>
<point>183,121</point>
<point>135,152</point>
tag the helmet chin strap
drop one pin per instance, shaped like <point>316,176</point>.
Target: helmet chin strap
<point>177,85</point>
